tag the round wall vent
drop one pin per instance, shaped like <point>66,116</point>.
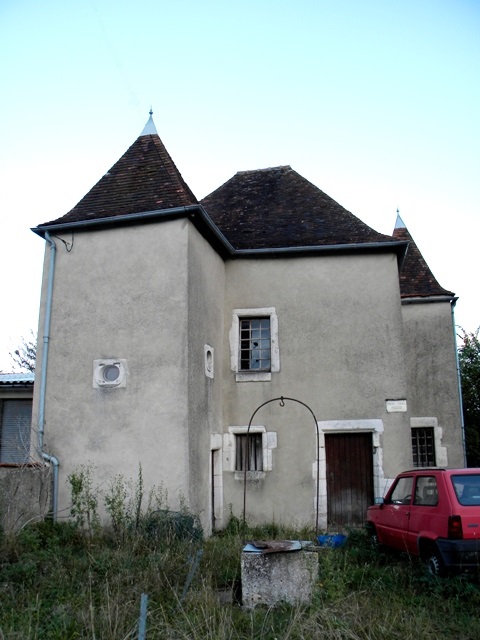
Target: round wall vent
<point>109,373</point>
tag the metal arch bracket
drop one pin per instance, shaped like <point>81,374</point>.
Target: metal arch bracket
<point>281,400</point>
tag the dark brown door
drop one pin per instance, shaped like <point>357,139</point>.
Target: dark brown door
<point>349,458</point>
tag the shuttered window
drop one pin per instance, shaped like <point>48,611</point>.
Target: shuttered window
<point>251,460</point>
<point>15,425</point>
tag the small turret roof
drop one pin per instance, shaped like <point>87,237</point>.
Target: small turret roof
<point>416,278</point>
<point>144,179</point>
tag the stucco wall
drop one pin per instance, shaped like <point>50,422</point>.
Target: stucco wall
<point>156,295</point>
<point>206,288</point>
<point>431,365</point>
<point>120,293</point>
<point>341,352</point>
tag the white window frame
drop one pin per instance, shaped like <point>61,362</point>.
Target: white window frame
<point>269,442</point>
<point>254,376</point>
<point>209,356</point>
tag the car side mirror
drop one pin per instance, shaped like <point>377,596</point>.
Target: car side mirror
<point>379,501</point>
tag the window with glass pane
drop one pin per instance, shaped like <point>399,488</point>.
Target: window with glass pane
<point>467,488</point>
<point>426,491</point>
<point>423,447</point>
<point>251,459</point>
<point>255,344</point>
<point>402,492</point>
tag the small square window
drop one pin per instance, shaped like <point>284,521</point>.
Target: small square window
<point>423,447</point>
<point>255,345</point>
<point>251,459</point>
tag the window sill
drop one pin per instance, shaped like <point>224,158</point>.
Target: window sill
<point>251,475</point>
<point>251,376</point>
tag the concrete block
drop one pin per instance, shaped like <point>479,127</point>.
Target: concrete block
<point>273,578</point>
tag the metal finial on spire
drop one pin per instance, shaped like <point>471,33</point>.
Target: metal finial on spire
<point>149,129</point>
<point>399,223</point>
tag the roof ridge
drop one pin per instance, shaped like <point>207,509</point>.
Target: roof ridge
<point>285,167</point>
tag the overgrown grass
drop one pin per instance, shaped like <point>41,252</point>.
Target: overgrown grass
<point>56,581</point>
<point>76,580</point>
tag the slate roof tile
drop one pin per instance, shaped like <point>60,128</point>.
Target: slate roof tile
<point>261,209</point>
<point>277,207</point>
<point>416,278</point>
<point>144,179</point>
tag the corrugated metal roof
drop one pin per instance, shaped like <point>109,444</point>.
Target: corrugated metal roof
<point>16,378</point>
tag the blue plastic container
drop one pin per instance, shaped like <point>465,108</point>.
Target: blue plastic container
<point>333,540</point>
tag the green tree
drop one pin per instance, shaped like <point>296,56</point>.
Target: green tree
<point>469,359</point>
<point>25,356</point>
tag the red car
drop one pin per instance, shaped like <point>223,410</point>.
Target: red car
<point>433,514</point>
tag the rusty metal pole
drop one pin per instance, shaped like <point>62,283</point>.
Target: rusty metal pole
<point>281,400</point>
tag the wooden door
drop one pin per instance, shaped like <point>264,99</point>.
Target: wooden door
<point>349,461</point>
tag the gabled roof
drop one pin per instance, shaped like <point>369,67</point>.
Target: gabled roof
<point>144,179</point>
<point>277,207</point>
<point>416,279</point>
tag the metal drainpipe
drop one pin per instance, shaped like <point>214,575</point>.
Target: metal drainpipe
<point>459,381</point>
<point>43,380</point>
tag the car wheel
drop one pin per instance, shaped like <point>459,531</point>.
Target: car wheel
<point>434,563</point>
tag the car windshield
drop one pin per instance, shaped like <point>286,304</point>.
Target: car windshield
<point>467,488</point>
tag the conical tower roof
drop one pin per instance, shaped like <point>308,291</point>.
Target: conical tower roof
<point>277,207</point>
<point>416,278</point>
<point>145,179</point>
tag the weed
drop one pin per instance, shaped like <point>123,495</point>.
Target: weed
<point>84,509</point>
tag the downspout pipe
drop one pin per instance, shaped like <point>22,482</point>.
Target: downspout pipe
<point>459,382</point>
<point>43,380</point>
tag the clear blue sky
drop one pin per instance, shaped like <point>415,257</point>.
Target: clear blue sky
<point>377,102</point>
